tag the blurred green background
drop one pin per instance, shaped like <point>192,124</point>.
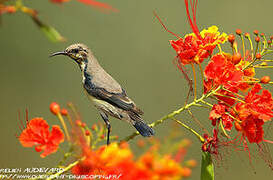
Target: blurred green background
<point>133,47</point>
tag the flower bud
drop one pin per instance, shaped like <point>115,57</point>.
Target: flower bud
<point>38,148</point>
<point>78,123</point>
<point>258,56</point>
<point>204,148</point>
<point>247,35</point>
<point>236,58</point>
<point>54,108</point>
<point>256,32</point>
<point>186,172</point>
<point>64,112</point>
<point>191,163</point>
<point>239,32</point>
<point>265,79</point>
<point>83,125</point>
<point>94,127</point>
<point>87,133</point>
<point>257,39</point>
<point>231,38</point>
<point>10,9</point>
<point>237,126</point>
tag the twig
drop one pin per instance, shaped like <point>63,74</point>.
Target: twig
<point>174,113</point>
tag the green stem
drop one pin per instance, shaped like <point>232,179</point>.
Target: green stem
<point>236,99</point>
<point>263,67</point>
<point>174,113</point>
<point>233,92</point>
<point>223,129</point>
<point>201,139</point>
<point>205,102</point>
<point>266,60</point>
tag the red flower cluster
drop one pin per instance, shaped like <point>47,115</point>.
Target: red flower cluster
<point>111,160</point>
<point>195,47</point>
<point>252,114</point>
<point>220,112</point>
<point>118,160</point>
<point>37,134</point>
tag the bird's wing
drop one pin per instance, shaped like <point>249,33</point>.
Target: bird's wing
<point>120,100</point>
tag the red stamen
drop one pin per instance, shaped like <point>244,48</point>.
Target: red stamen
<point>160,21</point>
<point>193,25</point>
<point>268,141</point>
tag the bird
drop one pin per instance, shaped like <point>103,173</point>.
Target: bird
<point>104,91</point>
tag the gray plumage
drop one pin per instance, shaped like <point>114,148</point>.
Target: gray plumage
<point>104,91</point>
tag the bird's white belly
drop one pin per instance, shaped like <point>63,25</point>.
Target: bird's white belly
<point>106,107</point>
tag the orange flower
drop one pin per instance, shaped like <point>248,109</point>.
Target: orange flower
<point>7,9</point>
<point>37,134</point>
<point>160,167</point>
<point>110,160</point>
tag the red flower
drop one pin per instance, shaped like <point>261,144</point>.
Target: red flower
<point>252,129</point>
<point>256,110</point>
<point>37,134</point>
<point>188,50</point>
<point>223,72</point>
<point>259,105</point>
<point>197,46</point>
<point>211,144</point>
<point>219,113</point>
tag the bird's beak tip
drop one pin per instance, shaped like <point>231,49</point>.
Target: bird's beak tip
<point>58,53</point>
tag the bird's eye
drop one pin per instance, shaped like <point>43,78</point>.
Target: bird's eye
<point>75,51</point>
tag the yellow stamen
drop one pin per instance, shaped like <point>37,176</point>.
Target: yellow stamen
<point>64,125</point>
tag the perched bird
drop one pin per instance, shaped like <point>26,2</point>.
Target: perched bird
<point>105,92</point>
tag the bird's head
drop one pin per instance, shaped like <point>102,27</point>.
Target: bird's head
<point>78,52</point>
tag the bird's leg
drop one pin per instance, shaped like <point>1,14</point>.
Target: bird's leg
<point>108,126</point>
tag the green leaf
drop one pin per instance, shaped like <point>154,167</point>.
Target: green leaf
<point>207,168</point>
<point>51,33</point>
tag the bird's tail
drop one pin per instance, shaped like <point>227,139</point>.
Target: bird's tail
<point>143,128</point>
<point>140,125</point>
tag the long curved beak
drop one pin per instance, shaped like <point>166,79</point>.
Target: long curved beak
<point>58,53</point>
